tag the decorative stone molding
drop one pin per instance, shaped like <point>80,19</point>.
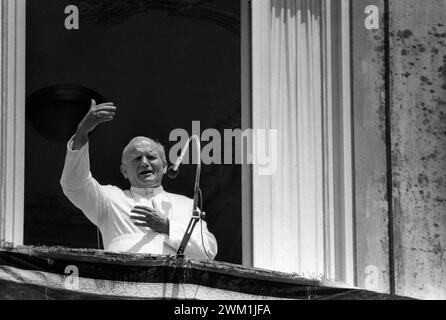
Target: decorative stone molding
<point>117,11</point>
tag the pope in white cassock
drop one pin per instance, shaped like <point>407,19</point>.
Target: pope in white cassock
<point>144,219</point>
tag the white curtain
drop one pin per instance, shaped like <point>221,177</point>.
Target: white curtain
<point>288,220</point>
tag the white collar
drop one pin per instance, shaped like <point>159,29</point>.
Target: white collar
<point>149,192</point>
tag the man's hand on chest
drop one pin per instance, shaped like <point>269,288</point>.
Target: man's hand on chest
<point>153,218</point>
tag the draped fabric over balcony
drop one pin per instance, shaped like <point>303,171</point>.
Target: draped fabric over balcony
<point>60,273</point>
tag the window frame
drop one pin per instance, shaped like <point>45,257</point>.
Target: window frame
<point>340,251</point>
<point>12,121</point>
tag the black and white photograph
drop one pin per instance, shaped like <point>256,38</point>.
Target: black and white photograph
<point>235,151</point>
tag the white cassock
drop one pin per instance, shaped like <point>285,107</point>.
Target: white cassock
<point>109,208</point>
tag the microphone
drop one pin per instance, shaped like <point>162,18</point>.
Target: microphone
<point>196,214</point>
<point>172,172</point>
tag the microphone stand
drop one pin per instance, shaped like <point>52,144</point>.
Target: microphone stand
<point>196,215</point>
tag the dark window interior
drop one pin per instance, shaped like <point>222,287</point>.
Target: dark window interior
<point>164,64</point>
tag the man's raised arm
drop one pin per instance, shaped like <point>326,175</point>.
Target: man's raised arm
<point>77,182</point>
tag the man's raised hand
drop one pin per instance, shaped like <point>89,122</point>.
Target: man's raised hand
<point>97,114</point>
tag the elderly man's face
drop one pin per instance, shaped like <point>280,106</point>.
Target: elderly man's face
<point>143,165</point>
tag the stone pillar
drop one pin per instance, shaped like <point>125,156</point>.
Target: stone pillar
<point>418,131</point>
